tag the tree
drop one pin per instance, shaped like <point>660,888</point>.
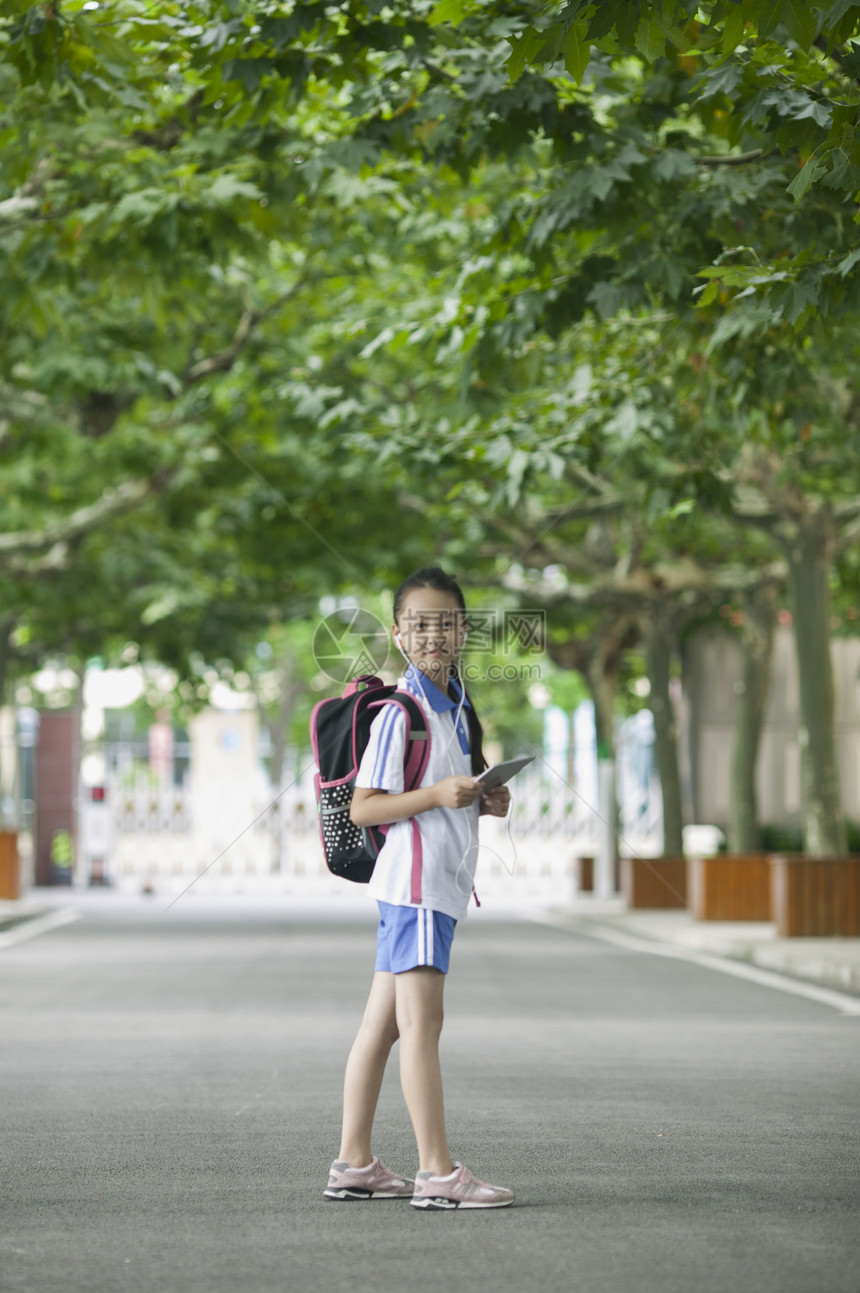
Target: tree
<point>164,327</point>
<point>654,169</point>
<point>354,229</point>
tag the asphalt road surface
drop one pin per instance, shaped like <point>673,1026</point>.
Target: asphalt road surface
<point>171,1099</point>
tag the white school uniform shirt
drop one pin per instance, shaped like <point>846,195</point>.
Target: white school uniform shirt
<point>434,867</point>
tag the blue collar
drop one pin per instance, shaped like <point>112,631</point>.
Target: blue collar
<point>420,686</point>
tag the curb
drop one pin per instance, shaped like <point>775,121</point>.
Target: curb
<point>731,958</point>
<point>28,926</point>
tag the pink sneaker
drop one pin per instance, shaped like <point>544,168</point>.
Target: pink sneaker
<point>459,1190</point>
<point>372,1182</point>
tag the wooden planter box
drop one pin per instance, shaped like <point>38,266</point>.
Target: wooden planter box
<point>816,897</point>
<point>10,869</point>
<point>654,882</point>
<point>585,875</point>
<point>731,886</point>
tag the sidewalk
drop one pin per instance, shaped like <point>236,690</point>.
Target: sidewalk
<point>15,910</point>
<point>830,962</point>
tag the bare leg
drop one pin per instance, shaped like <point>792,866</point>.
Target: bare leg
<point>418,995</point>
<point>365,1069</point>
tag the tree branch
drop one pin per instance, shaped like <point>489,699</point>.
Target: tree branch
<point>225,359</point>
<point>847,510</point>
<point>55,536</point>
<point>848,534</point>
<point>664,579</point>
<point>733,159</point>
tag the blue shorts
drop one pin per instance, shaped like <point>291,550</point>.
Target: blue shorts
<point>412,936</point>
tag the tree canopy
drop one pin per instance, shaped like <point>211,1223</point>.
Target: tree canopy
<point>296,292</point>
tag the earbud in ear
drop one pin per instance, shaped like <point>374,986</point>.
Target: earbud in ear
<point>398,641</point>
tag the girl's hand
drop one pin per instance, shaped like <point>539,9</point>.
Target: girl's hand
<point>495,803</point>
<point>456,792</point>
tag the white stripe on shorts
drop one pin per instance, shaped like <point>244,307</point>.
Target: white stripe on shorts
<point>425,936</point>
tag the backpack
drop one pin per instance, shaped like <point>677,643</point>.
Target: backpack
<point>340,729</point>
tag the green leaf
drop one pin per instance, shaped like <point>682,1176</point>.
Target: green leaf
<point>624,422</point>
<point>799,19</point>
<point>769,15</point>
<point>709,295</point>
<point>552,46</point>
<point>847,264</point>
<point>453,11</point>
<point>806,177</point>
<point>650,38</point>
<point>250,71</point>
<point>577,50</point>
<point>606,299</point>
<point>226,187</point>
<point>733,28</point>
<point>803,296</point>
<point>523,50</point>
<point>607,15</point>
<point>844,174</point>
<point>838,11</point>
<point>628,20</point>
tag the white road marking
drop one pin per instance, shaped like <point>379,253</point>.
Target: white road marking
<point>40,925</point>
<point>841,1001</point>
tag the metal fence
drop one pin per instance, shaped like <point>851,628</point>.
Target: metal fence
<point>155,839</point>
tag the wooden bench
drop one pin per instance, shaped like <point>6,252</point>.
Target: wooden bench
<point>654,882</point>
<point>729,886</point>
<point>816,897</point>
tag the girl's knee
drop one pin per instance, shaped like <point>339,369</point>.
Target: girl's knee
<point>419,1010</point>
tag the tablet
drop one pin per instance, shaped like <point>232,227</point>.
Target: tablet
<point>502,772</point>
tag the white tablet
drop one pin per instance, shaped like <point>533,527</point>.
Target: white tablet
<point>502,772</point>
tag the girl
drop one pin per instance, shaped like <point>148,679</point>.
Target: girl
<point>423,882</point>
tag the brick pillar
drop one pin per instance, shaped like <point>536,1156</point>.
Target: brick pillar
<point>56,788</point>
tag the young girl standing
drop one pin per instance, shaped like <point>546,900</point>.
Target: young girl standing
<point>422,882</point>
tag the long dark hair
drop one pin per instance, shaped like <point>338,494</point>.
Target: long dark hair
<point>435,577</point>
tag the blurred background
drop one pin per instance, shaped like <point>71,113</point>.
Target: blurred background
<point>299,297</point>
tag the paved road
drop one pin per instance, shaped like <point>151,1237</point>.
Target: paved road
<point>170,1105</point>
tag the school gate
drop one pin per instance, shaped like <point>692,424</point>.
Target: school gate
<point>224,828</point>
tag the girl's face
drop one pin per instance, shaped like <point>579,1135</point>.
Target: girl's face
<point>431,628</point>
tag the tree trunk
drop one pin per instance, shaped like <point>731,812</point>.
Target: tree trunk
<point>757,650</point>
<point>290,688</point>
<point>808,548</point>
<point>7,624</point>
<point>659,642</point>
<point>602,678</point>
<point>601,684</point>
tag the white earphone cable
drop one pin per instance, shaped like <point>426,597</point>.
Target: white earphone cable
<point>416,673</point>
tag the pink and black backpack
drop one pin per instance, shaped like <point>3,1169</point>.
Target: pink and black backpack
<point>340,729</point>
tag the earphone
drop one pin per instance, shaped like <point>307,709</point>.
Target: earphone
<point>455,727</point>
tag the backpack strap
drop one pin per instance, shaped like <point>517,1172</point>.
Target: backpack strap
<point>414,766</point>
<point>417,737</point>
